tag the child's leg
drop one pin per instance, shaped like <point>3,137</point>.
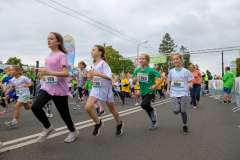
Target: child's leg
<point>99,105</point>
<point>17,110</point>
<point>136,95</point>
<point>7,98</point>
<point>175,105</point>
<point>37,106</point>
<point>90,111</point>
<point>115,113</point>
<point>146,103</point>
<point>183,101</point>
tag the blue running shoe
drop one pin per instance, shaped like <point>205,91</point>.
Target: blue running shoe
<point>153,126</point>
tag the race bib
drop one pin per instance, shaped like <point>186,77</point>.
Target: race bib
<point>18,91</point>
<point>142,77</point>
<point>137,83</point>
<point>123,83</point>
<point>178,84</point>
<point>80,77</point>
<point>51,80</point>
<point>97,83</point>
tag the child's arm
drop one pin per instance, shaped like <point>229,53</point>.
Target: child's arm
<point>190,84</point>
<point>10,89</point>
<point>156,85</point>
<point>93,72</point>
<point>28,85</point>
<point>168,87</point>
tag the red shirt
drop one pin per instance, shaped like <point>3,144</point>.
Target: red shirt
<point>196,77</point>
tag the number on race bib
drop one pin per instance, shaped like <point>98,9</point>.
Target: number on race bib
<point>18,91</point>
<point>51,80</point>
<point>178,84</point>
<point>142,77</point>
<point>97,83</point>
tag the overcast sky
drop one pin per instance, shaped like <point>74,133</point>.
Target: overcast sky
<point>195,24</point>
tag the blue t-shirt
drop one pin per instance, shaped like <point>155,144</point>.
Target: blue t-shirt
<point>8,81</point>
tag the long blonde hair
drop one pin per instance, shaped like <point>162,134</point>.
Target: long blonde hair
<point>17,68</point>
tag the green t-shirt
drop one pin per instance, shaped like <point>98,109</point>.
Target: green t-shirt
<point>147,79</point>
<point>74,86</point>
<point>31,75</point>
<point>5,75</point>
<point>88,85</point>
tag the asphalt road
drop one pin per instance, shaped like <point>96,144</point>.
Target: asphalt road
<point>214,133</point>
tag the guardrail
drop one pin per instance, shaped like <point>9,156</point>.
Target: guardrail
<point>216,90</point>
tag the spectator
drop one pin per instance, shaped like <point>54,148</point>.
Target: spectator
<point>227,85</point>
<point>31,75</point>
<point>208,76</point>
<point>215,77</point>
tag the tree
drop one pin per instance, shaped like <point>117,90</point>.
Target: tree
<point>13,61</point>
<point>167,46</point>
<point>186,57</point>
<point>129,66</point>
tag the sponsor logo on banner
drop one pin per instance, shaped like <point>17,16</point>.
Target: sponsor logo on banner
<point>162,59</point>
<point>136,62</point>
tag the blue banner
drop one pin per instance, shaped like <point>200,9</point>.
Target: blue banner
<point>69,44</point>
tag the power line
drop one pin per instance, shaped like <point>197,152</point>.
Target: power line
<point>132,41</point>
<point>99,22</point>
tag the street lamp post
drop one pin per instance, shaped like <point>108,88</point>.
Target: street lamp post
<point>138,49</point>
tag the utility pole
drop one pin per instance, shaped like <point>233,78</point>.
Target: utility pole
<point>104,45</point>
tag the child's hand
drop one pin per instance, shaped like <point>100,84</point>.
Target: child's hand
<point>93,72</point>
<point>167,93</point>
<point>25,85</point>
<point>190,86</point>
<point>84,87</point>
<point>153,88</point>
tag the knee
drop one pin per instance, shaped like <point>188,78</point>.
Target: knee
<point>144,105</point>
<point>88,109</point>
<point>111,110</point>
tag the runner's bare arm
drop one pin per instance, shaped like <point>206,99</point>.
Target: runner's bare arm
<point>10,89</point>
<point>63,73</point>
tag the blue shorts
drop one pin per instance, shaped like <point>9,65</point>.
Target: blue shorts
<point>227,90</point>
<point>13,95</point>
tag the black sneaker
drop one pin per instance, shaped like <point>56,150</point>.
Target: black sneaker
<point>224,102</point>
<point>97,128</point>
<point>119,129</point>
<point>191,102</point>
<point>185,130</point>
<point>229,102</point>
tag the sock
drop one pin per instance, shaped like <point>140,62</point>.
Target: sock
<point>15,121</point>
<point>100,106</point>
<point>95,106</point>
<point>83,95</point>
<point>5,109</point>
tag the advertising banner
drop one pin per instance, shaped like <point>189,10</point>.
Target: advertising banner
<point>69,44</point>
<point>136,62</point>
<point>162,59</point>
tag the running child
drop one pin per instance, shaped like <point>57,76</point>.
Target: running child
<point>117,87</point>
<point>21,84</point>
<point>56,88</point>
<point>73,89</point>
<point>12,94</point>
<point>178,79</point>
<point>145,75</point>
<point>125,87</point>
<point>82,77</point>
<point>97,105</point>
<point>102,90</point>
<point>137,92</point>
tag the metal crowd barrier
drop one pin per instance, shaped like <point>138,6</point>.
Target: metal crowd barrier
<point>216,90</point>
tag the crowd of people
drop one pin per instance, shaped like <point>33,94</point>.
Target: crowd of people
<point>57,84</point>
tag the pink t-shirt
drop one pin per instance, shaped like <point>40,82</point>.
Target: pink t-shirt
<point>55,62</point>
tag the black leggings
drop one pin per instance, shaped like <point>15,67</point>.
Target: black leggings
<point>61,103</point>
<point>146,99</point>
<point>80,92</point>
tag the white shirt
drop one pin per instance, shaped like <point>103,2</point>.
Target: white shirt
<point>18,84</point>
<point>182,76</point>
<point>116,87</point>
<point>42,83</point>
<point>105,92</point>
<point>69,78</point>
<point>130,82</point>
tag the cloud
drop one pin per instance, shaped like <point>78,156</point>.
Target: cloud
<point>194,24</point>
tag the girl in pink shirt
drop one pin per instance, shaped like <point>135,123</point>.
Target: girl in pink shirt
<point>56,88</point>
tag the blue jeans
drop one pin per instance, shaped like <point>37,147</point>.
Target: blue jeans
<point>195,93</point>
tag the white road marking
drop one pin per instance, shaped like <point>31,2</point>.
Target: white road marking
<point>89,123</point>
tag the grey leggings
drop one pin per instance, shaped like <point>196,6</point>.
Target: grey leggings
<point>75,95</point>
<point>180,107</point>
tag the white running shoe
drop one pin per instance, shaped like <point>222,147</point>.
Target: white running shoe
<point>45,133</point>
<point>137,104</point>
<point>72,136</point>
<point>49,115</point>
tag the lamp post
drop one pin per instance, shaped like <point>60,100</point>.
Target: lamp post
<point>138,49</point>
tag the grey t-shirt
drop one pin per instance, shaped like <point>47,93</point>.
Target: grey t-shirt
<point>82,79</point>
